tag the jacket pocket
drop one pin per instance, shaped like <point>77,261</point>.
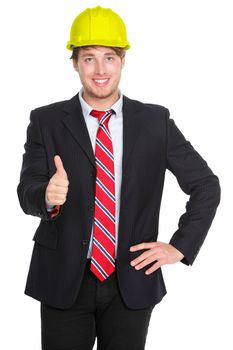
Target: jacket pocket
<point>47,234</point>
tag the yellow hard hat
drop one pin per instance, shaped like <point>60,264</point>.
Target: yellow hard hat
<point>98,26</point>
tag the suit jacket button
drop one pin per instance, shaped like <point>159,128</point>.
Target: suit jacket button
<point>84,242</point>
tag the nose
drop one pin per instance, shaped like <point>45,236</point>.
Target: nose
<point>100,68</point>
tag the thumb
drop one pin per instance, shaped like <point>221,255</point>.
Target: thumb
<point>59,166</point>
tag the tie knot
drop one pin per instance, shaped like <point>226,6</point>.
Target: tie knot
<point>102,115</point>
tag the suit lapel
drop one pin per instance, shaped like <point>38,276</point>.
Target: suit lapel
<point>74,121</point>
<point>131,129</point>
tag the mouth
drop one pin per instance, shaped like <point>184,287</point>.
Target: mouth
<point>101,82</point>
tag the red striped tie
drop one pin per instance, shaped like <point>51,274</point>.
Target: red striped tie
<point>103,247</point>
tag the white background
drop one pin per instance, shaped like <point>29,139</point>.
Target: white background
<point>181,57</point>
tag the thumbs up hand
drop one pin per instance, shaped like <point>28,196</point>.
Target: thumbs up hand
<point>57,188</point>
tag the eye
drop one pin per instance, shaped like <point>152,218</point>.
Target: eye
<point>109,58</point>
<point>89,59</point>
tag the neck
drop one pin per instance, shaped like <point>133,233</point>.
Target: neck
<point>101,104</point>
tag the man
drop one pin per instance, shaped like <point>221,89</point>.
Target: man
<point>93,171</point>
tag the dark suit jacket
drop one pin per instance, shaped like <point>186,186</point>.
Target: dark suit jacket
<point>151,144</point>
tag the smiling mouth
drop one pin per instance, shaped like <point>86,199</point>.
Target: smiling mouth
<point>101,82</point>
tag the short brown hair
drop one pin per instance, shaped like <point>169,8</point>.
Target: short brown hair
<point>75,50</point>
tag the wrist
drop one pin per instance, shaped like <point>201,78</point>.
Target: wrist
<point>49,206</point>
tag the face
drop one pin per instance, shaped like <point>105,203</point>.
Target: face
<point>99,70</point>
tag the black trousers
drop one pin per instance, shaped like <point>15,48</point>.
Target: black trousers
<point>98,311</point>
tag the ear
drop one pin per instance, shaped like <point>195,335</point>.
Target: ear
<point>75,64</point>
<point>123,62</point>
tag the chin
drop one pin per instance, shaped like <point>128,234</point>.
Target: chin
<point>103,94</point>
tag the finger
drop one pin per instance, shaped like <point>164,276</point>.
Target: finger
<point>58,181</point>
<point>52,188</point>
<point>156,256</point>
<point>55,196</point>
<point>143,256</point>
<point>144,245</point>
<point>59,166</point>
<point>146,262</point>
<point>154,267</point>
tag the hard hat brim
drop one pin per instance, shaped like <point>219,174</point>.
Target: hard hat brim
<point>70,44</point>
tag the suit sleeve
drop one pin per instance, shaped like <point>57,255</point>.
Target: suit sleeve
<point>197,180</point>
<point>34,176</point>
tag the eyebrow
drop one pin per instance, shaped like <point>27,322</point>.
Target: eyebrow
<point>92,55</point>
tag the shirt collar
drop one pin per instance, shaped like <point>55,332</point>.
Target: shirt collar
<point>86,108</point>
